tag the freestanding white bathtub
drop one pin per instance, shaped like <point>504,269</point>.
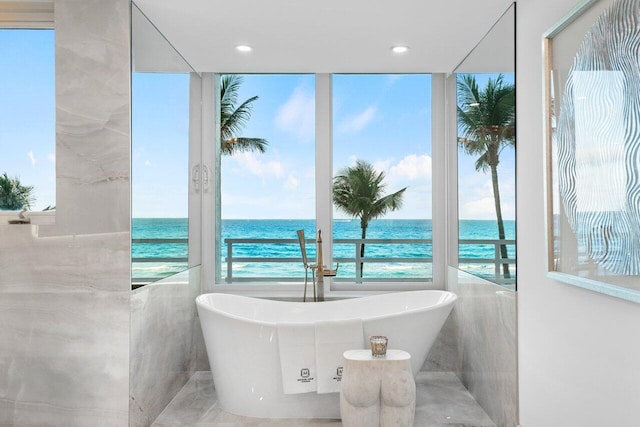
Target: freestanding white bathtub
<point>242,344</point>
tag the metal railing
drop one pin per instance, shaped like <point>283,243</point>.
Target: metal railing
<point>140,281</point>
<point>359,261</point>
<point>496,261</point>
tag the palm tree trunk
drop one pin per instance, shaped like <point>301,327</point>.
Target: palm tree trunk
<point>363,236</point>
<point>501,234</point>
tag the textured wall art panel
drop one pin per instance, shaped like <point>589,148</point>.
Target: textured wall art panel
<point>594,126</point>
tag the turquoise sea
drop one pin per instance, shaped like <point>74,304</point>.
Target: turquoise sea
<point>171,228</point>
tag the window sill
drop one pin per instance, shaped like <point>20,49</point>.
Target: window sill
<point>36,218</point>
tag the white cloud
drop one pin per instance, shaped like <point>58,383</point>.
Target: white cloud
<point>257,166</point>
<point>291,183</point>
<point>382,165</point>
<point>297,114</point>
<point>52,157</point>
<point>479,209</point>
<point>358,121</point>
<point>31,157</point>
<point>477,202</point>
<point>412,167</point>
<point>147,163</point>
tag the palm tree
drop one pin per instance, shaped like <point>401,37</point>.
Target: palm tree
<point>233,119</point>
<point>487,121</point>
<point>13,195</point>
<point>360,192</point>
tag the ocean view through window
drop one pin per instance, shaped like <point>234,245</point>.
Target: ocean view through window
<point>159,175</point>
<point>267,174</point>
<point>382,177</point>
<point>486,176</point>
<point>271,185</point>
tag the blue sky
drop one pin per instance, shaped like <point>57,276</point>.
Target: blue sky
<point>379,118</point>
<point>384,119</point>
<point>160,145</point>
<point>475,193</point>
<point>27,110</point>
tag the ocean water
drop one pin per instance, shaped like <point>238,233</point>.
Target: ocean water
<point>167,228</point>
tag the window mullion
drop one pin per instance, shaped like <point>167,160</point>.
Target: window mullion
<point>452,170</point>
<point>210,178</point>
<point>324,165</point>
<point>195,165</point>
<point>439,171</point>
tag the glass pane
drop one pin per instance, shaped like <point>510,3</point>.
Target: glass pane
<point>382,177</point>
<point>160,174</point>
<point>267,175</point>
<point>27,119</point>
<point>486,176</point>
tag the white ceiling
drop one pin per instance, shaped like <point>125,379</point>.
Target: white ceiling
<point>332,36</point>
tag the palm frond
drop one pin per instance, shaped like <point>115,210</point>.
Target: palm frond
<point>237,145</point>
<point>14,195</point>
<point>486,118</point>
<point>360,192</point>
<point>237,119</point>
<point>233,119</point>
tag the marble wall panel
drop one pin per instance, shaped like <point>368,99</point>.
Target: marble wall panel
<point>92,115</point>
<point>444,356</point>
<point>484,324</point>
<point>166,343</point>
<point>65,288</point>
<point>65,329</point>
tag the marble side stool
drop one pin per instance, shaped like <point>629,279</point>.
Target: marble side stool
<point>377,391</point>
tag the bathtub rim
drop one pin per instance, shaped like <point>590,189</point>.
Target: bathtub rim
<point>448,301</point>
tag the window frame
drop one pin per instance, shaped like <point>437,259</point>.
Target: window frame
<point>211,207</point>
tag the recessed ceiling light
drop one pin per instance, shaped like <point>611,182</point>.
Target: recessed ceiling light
<point>244,48</point>
<point>399,49</point>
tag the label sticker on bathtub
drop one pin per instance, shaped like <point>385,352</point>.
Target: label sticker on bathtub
<point>338,376</point>
<point>305,376</point>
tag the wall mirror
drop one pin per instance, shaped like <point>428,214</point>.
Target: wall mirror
<point>485,130</point>
<point>159,155</point>
<point>592,105</point>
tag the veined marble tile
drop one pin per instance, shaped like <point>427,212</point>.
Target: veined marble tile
<point>62,264</point>
<point>443,356</point>
<point>485,319</point>
<point>65,288</point>
<point>92,116</point>
<point>63,332</point>
<point>195,403</point>
<point>165,338</point>
<point>441,401</point>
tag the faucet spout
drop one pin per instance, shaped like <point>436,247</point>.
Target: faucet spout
<point>322,271</point>
<point>318,269</point>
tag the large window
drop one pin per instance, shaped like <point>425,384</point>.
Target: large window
<point>486,176</point>
<point>27,119</point>
<point>267,175</point>
<point>159,175</point>
<point>382,177</point>
<point>269,182</point>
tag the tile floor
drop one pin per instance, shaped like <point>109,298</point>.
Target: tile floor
<point>442,401</point>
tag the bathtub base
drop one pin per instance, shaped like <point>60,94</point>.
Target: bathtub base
<point>241,338</point>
